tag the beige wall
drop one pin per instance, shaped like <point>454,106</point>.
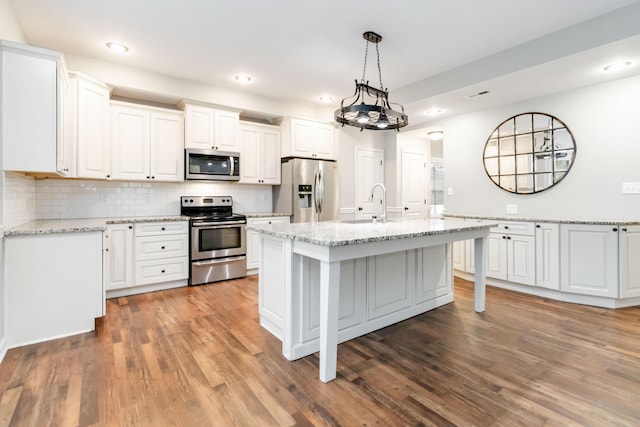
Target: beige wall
<point>9,27</point>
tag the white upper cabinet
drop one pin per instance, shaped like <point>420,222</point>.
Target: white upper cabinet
<point>146,143</point>
<point>34,83</point>
<point>90,127</point>
<point>209,128</point>
<point>305,138</point>
<point>260,149</point>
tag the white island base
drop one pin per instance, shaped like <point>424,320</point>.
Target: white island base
<point>315,294</point>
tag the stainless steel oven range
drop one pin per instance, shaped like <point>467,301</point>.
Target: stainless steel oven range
<point>217,239</point>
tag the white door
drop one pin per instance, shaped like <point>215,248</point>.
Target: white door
<point>497,256</point>
<point>270,156</point>
<point>414,184</point>
<point>250,162</point>
<point>629,265</point>
<point>521,254</point>
<point>130,143</point>
<point>226,130</point>
<point>93,146</point>
<point>369,169</point>
<point>589,259</point>
<point>167,142</point>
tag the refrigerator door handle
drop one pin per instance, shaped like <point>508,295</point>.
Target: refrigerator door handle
<point>315,191</point>
<point>320,191</point>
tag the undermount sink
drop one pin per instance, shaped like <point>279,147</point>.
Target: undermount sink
<point>357,221</point>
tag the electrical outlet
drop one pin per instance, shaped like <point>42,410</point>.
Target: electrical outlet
<point>631,188</point>
<point>512,209</point>
<point>449,191</point>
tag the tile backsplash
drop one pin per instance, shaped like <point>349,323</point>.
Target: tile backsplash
<point>74,198</point>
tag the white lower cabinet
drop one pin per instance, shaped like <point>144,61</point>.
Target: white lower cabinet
<point>629,265</point>
<point>548,255</point>
<point>253,240</point>
<point>53,285</point>
<point>511,253</point>
<point>119,256</point>
<point>589,259</point>
<point>146,254</point>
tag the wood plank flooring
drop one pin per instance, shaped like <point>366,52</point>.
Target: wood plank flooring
<point>198,357</point>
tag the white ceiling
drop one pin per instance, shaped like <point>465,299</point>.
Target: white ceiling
<point>433,52</point>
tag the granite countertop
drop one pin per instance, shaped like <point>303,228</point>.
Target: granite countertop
<point>78,225</point>
<point>336,233</point>
<point>265,214</point>
<point>555,221</point>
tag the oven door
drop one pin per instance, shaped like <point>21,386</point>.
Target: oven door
<point>217,239</point>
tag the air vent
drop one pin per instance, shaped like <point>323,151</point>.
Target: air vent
<point>473,95</point>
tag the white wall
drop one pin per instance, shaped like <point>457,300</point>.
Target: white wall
<point>603,119</point>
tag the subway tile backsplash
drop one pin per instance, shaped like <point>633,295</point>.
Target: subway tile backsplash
<point>72,198</point>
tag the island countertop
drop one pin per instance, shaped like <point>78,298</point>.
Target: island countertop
<point>339,233</point>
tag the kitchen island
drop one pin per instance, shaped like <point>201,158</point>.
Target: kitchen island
<point>325,283</point>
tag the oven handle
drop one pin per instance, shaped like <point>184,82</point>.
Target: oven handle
<point>218,261</point>
<point>225,224</point>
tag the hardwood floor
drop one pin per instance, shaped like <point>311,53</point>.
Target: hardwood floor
<point>198,357</point>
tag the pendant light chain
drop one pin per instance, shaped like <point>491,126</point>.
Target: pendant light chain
<point>364,69</point>
<point>379,69</point>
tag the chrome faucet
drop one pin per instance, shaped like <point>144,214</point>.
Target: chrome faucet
<point>383,217</point>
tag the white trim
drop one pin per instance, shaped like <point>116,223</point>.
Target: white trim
<point>134,290</point>
<point>3,349</point>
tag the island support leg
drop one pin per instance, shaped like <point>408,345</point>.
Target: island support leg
<point>480,274</point>
<point>329,296</point>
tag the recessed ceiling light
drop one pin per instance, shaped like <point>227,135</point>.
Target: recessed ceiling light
<point>118,47</point>
<point>325,98</point>
<point>243,78</point>
<point>617,66</point>
<point>435,135</point>
<point>434,111</point>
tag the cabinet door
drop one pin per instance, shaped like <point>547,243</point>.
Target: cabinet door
<point>458,252</point>
<point>497,256</point>
<point>29,112</point>
<point>413,183</point>
<point>199,124</point>
<point>469,256</point>
<point>589,259</point>
<point>93,145</point>
<point>324,141</point>
<point>301,138</point>
<point>253,238</point>
<point>629,265</point>
<point>130,143</point>
<point>250,161</point>
<point>521,259</point>
<point>548,256</point>
<point>397,268</point>
<point>119,268</point>
<point>167,142</point>
<point>270,157</point>
<point>226,130</point>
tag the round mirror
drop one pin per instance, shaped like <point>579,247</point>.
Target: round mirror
<point>529,153</point>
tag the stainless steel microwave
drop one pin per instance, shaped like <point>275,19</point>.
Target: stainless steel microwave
<point>211,165</point>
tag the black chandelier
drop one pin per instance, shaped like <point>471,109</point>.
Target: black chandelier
<point>377,114</point>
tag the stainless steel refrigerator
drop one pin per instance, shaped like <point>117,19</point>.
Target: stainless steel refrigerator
<point>308,190</point>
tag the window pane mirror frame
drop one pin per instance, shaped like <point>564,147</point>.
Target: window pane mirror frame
<point>521,154</point>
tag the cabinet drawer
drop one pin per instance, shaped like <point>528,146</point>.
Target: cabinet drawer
<point>160,228</point>
<point>513,227</point>
<point>163,270</point>
<point>269,220</point>
<point>158,247</point>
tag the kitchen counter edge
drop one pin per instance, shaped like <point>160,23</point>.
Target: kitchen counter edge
<point>80,225</point>
<point>555,221</point>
